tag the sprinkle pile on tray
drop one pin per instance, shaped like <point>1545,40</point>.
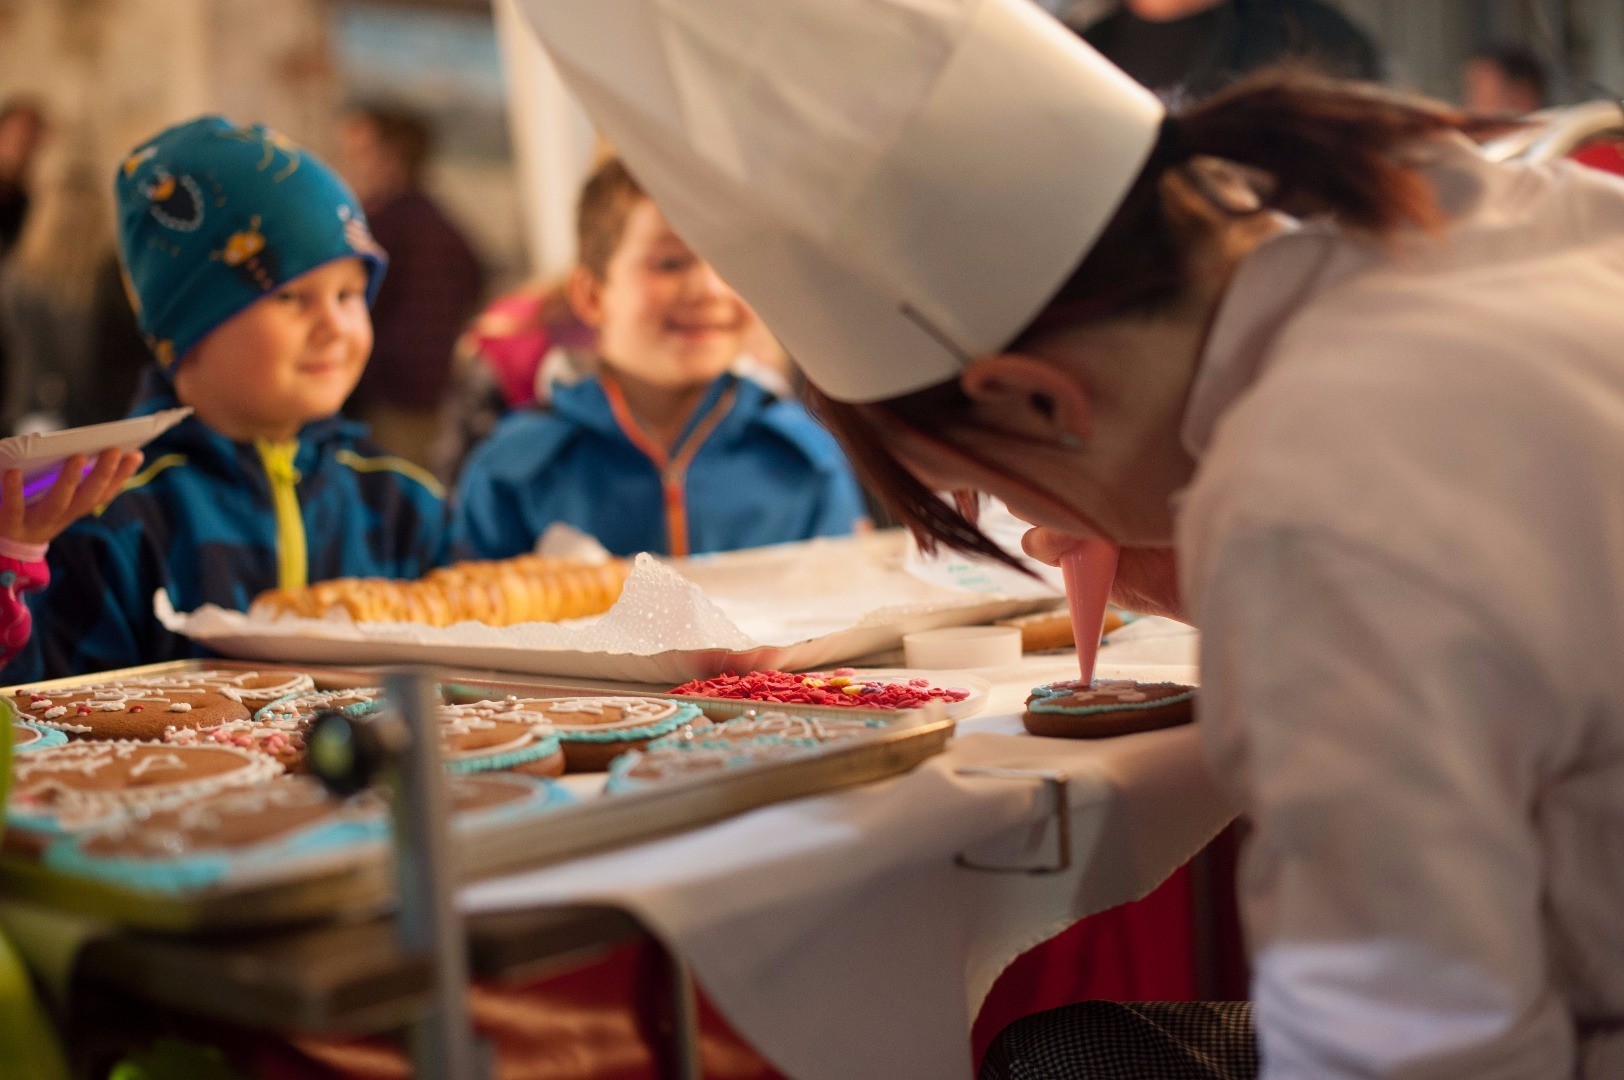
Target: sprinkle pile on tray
<point>841,687</point>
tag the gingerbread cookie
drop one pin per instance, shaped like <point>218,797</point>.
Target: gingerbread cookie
<point>142,708</point>
<point>278,828</point>
<point>1079,710</point>
<point>770,727</point>
<point>731,744</point>
<point>72,786</point>
<point>505,734</point>
<point>287,746</point>
<point>596,730</point>
<point>483,799</point>
<point>27,738</point>
<point>279,728</point>
<point>478,736</point>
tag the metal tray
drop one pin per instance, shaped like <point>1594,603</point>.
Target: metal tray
<point>364,884</point>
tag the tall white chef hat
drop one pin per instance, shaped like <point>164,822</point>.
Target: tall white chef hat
<point>897,186</point>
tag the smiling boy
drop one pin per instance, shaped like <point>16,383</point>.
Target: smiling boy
<point>252,270</point>
<point>678,443</point>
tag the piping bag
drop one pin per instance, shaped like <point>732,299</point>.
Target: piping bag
<point>1088,569</point>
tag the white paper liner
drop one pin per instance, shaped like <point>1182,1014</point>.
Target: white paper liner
<point>792,606</point>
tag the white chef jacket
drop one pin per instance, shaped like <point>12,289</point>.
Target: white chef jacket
<point>1404,546</point>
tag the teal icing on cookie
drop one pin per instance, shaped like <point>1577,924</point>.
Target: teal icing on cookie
<point>188,873</point>
<point>545,746</point>
<point>685,714</point>
<point>48,737</point>
<point>545,797</point>
<point>1044,700</point>
<point>621,780</point>
<point>352,711</point>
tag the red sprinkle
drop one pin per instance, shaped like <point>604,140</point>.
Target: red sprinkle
<point>781,687</point>
<point>135,708</point>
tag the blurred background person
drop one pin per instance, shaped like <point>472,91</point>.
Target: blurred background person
<point>74,355</point>
<point>507,359</point>
<point>1504,79</point>
<point>434,284</point>
<point>22,131</point>
<point>1192,48</point>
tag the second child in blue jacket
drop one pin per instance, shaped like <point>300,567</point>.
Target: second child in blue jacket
<point>252,268</point>
<point>676,442</point>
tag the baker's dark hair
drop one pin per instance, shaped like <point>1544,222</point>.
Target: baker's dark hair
<point>1336,150</point>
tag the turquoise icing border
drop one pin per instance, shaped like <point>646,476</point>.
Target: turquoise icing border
<point>618,783</point>
<point>1048,691</point>
<point>353,710</point>
<point>546,746</point>
<point>49,736</point>
<point>192,872</point>
<point>686,714</point>
<point>49,824</point>
<point>548,795</point>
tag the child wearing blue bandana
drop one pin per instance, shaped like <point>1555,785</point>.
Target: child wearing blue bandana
<point>252,271</point>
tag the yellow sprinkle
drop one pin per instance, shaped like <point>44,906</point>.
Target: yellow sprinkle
<point>840,680</point>
<point>851,690</point>
<point>812,682</point>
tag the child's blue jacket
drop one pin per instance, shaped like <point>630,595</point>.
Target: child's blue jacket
<point>752,468</point>
<point>212,521</point>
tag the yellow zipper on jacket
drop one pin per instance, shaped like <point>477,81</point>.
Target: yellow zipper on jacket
<point>292,557</point>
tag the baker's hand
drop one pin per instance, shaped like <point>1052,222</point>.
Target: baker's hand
<point>1146,579</point>
<point>74,494</point>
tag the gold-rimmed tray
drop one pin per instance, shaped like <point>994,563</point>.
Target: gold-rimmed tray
<point>360,881</point>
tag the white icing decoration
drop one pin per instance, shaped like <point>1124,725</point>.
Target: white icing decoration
<point>635,712</point>
<point>179,706</point>
<point>56,711</point>
<point>155,761</point>
<point>42,779</point>
<point>160,691</point>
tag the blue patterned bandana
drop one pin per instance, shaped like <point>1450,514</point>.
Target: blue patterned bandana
<point>213,216</point>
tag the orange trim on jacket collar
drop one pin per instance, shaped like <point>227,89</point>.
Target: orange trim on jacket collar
<point>673,468</point>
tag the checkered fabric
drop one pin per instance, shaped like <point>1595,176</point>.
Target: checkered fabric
<point>1150,1040</point>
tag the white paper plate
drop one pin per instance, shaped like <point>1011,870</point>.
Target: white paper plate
<point>40,455</point>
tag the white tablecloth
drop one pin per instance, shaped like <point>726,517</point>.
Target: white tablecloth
<point>836,932</point>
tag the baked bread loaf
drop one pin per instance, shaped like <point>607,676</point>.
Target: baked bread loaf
<point>529,588</point>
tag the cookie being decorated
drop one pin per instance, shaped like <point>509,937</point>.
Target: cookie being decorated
<point>27,738</point>
<point>72,786</point>
<point>1079,710</point>
<point>143,708</point>
<point>282,827</point>
<point>596,730</point>
<point>732,744</point>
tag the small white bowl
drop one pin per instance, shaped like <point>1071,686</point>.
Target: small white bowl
<point>956,647</point>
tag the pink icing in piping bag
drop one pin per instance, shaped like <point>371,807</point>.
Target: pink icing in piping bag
<point>1089,569</point>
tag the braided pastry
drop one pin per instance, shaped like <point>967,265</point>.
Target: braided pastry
<point>529,588</point>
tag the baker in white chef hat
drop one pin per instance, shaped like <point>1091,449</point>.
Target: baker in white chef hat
<point>1348,395</point>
